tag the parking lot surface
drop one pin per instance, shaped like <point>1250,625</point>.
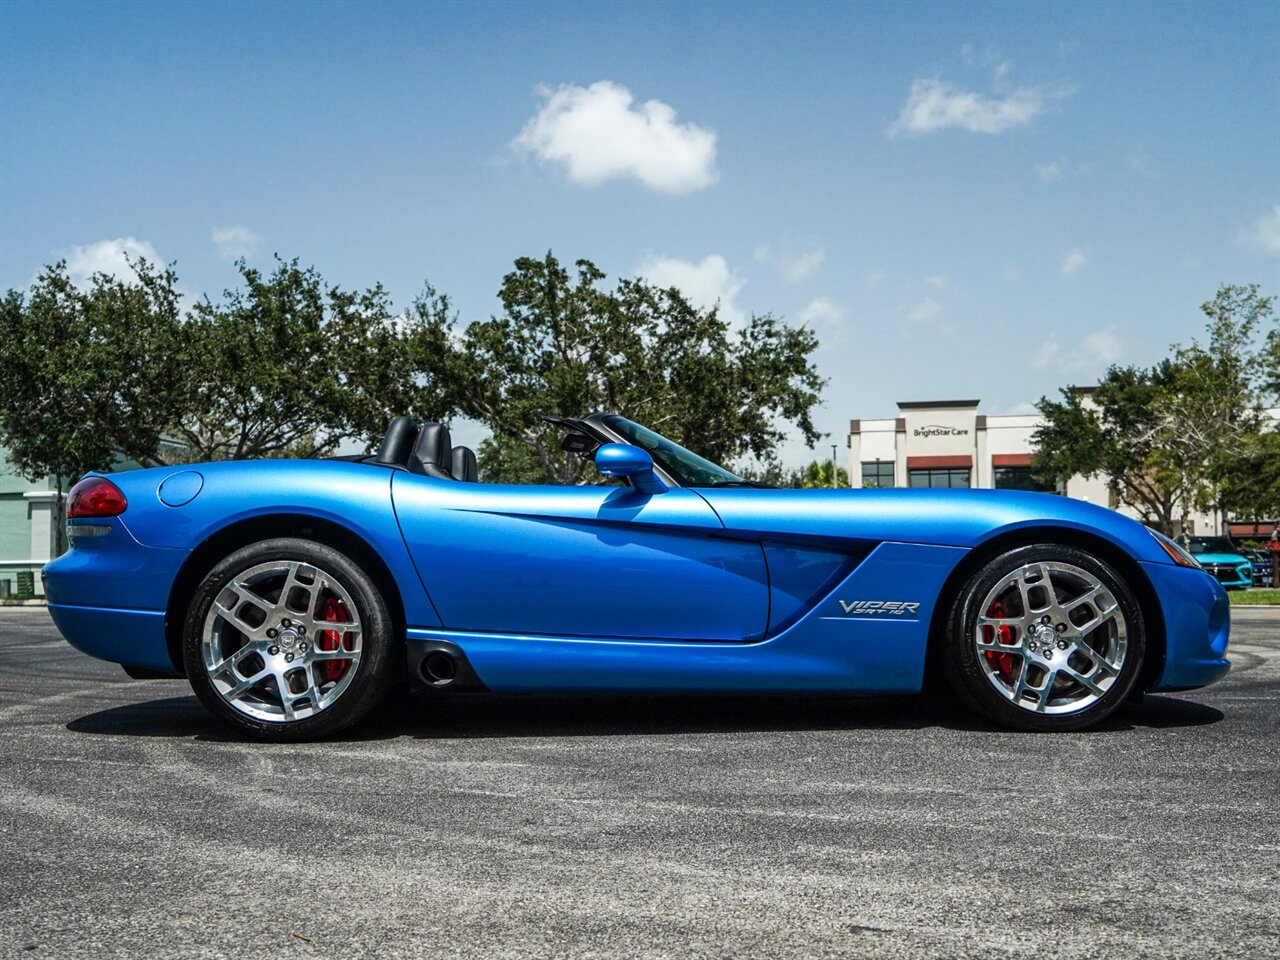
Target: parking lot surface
<point>132,824</point>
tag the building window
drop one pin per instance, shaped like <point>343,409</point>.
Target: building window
<point>877,473</point>
<point>938,476</point>
<point>1019,478</point>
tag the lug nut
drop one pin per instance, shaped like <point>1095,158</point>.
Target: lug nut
<point>1062,644</point>
<point>301,629</point>
<point>286,623</point>
<point>274,650</point>
<point>272,632</point>
<point>303,646</point>
<point>1044,619</point>
<point>288,658</point>
<point>1061,628</point>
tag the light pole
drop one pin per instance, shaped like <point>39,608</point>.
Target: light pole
<point>834,473</point>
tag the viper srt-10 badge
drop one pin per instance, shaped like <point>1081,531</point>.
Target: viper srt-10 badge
<point>871,608</point>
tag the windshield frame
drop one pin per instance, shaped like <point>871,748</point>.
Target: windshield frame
<point>683,466</point>
<point>1210,545</point>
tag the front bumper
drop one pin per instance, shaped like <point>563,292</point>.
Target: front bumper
<point>1197,620</point>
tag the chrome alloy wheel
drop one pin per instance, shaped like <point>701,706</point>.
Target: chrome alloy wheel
<point>1051,638</point>
<point>281,641</point>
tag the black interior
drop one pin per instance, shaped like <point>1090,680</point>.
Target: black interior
<point>464,466</point>
<point>426,448</point>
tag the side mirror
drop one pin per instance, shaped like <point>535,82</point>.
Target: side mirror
<point>624,460</point>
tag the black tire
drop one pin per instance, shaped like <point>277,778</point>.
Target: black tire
<point>372,674</point>
<point>989,682</point>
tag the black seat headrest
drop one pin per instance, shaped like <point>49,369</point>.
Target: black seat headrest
<point>397,442</point>
<point>463,465</point>
<point>433,453</point>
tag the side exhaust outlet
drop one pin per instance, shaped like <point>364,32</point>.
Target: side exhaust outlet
<point>439,669</point>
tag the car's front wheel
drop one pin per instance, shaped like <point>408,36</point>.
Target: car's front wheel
<point>1045,637</point>
<point>288,639</point>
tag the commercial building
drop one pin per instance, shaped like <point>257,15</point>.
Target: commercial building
<point>948,443</point>
<point>29,517</point>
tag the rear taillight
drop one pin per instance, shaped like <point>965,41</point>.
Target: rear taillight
<point>95,497</point>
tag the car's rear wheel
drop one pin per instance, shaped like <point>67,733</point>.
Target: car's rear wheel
<point>1045,637</point>
<point>288,640</point>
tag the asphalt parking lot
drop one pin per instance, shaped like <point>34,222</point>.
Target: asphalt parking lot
<point>132,825</point>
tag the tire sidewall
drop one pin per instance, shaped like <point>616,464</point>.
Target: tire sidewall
<point>374,668</point>
<point>964,666</point>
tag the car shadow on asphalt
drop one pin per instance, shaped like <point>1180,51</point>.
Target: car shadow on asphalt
<point>463,716</point>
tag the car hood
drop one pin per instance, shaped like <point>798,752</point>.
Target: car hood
<point>961,518</point>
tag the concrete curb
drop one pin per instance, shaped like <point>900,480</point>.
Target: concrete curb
<point>23,603</point>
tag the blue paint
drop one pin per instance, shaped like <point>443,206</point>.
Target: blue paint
<point>581,561</point>
<point>607,588</point>
<point>1197,618</point>
<point>180,488</point>
<point>132,637</point>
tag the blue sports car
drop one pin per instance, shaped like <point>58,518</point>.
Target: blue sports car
<point>293,594</point>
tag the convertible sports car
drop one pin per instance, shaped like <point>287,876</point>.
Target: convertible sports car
<point>294,593</point>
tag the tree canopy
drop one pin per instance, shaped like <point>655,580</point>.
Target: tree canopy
<point>564,345</point>
<point>1186,434</point>
<point>90,373</point>
<point>291,366</point>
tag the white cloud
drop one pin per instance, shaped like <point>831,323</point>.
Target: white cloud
<point>600,133</point>
<point>1095,353</point>
<point>935,105</point>
<point>1051,172</point>
<point>937,280</point>
<point>705,284</point>
<point>802,266</point>
<point>235,242</point>
<point>822,310</point>
<point>794,267</point>
<point>110,257</point>
<point>1263,235</point>
<point>1073,261</point>
<point>926,311</point>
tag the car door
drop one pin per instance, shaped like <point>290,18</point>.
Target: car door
<point>602,562</point>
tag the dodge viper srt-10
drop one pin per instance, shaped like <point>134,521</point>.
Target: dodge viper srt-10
<point>293,594</point>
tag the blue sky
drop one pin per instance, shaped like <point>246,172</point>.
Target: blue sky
<point>964,200</point>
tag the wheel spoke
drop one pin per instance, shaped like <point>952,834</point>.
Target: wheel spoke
<point>285,643</point>
<point>245,684</point>
<point>286,698</point>
<point>233,660</point>
<point>1051,593</point>
<point>1081,679</point>
<point>293,583</point>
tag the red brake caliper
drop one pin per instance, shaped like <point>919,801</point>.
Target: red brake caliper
<point>1002,663</point>
<point>332,612</point>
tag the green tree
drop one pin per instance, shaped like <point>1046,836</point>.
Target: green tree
<point>1115,431</point>
<point>563,345</point>
<point>817,474</point>
<point>90,371</point>
<point>1188,433</point>
<point>288,366</point>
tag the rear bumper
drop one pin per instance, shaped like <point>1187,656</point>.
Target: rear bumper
<point>1197,619</point>
<point>135,638</point>
<point>108,596</point>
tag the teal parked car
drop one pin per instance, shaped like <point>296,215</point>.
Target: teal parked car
<point>1223,559</point>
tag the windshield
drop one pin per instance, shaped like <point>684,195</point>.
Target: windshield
<point>687,469</point>
<point>1212,545</point>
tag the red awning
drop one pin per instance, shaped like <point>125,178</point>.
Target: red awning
<point>1263,529</point>
<point>1011,460</point>
<point>923,463</point>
